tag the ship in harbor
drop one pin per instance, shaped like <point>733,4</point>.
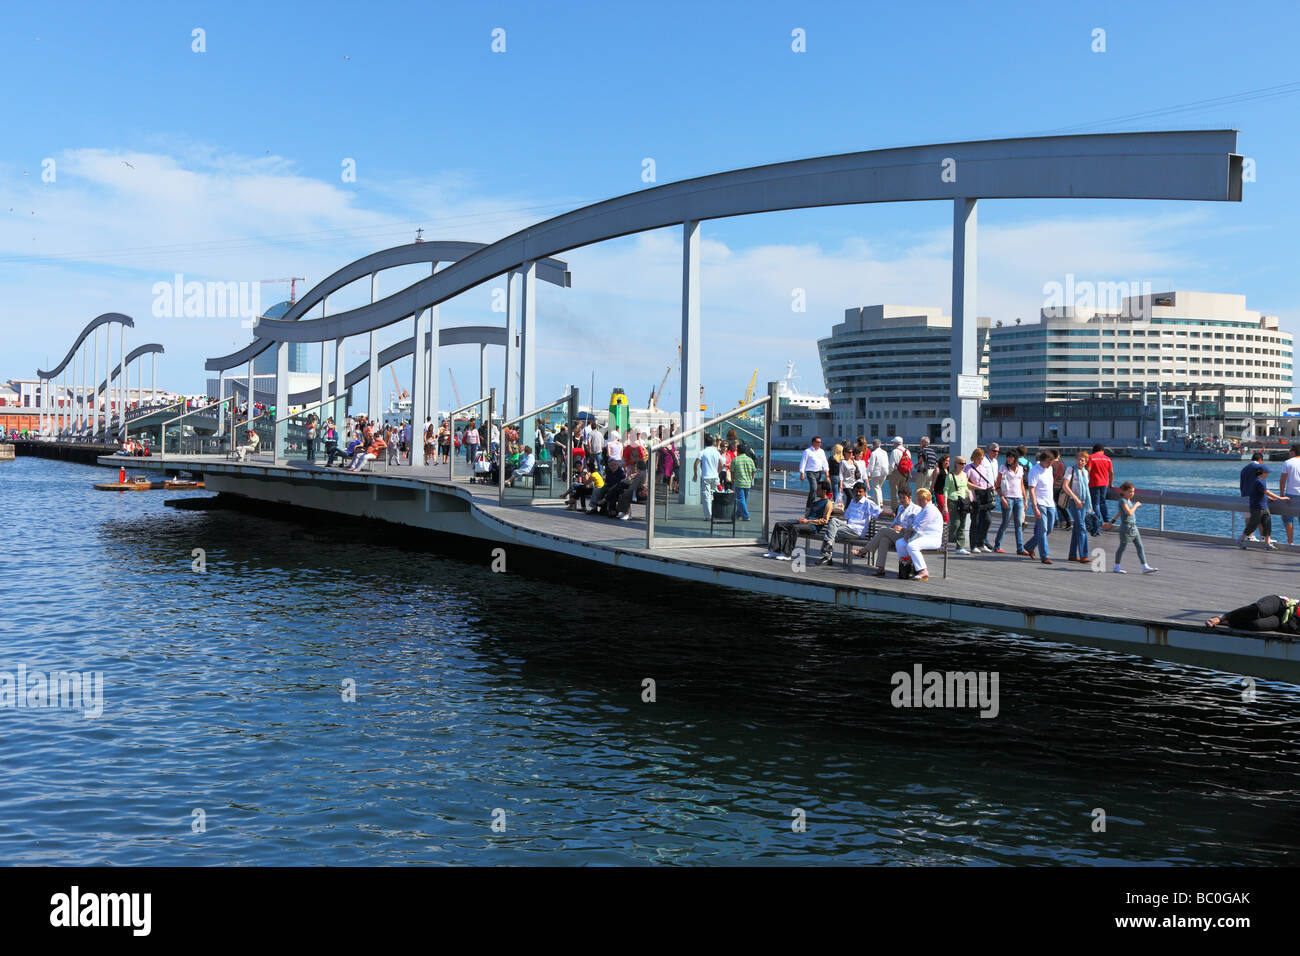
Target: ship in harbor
<point>1192,449</point>
<point>803,414</point>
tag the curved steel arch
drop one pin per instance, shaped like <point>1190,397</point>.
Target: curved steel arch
<point>131,356</point>
<point>458,335</point>
<point>553,271</point>
<point>93,324</point>
<point>1188,165</point>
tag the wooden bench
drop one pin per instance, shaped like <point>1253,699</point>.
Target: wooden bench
<point>849,540</point>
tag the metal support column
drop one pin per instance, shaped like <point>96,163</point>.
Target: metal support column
<point>965,354</point>
<point>482,369</point>
<point>510,392</point>
<point>528,335</point>
<point>690,372</point>
<point>340,389</point>
<point>373,409</point>
<point>281,435</point>
<point>421,326</point>
<point>94,389</point>
<point>430,406</point>
<point>221,408</point>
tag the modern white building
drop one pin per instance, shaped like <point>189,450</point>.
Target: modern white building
<point>888,371</point>
<point>1208,346</point>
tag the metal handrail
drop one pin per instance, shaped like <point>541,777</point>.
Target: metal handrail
<point>195,411</point>
<point>570,398</point>
<point>490,398</point>
<point>731,413</point>
<point>766,403</point>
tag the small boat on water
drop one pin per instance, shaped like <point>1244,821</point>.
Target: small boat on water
<point>135,484</point>
<point>182,484</point>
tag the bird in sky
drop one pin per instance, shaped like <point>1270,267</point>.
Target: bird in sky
<point>125,163</point>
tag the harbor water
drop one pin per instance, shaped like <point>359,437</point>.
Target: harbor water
<point>227,734</point>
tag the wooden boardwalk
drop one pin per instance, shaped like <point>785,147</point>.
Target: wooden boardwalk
<point>1160,614</point>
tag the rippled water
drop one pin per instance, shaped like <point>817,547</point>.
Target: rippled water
<point>522,691</point>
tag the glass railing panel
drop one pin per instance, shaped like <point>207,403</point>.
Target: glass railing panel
<point>546,475</point>
<point>310,435</point>
<point>710,486</point>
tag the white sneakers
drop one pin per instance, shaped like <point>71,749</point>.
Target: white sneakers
<point>961,551</point>
<point>1147,569</point>
<point>1118,570</point>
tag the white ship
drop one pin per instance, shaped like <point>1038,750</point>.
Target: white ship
<point>793,398</point>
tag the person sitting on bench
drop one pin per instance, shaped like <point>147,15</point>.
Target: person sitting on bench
<point>622,506</point>
<point>886,538</point>
<point>253,442</point>
<point>786,533</point>
<point>614,476</point>
<point>926,532</point>
<point>587,484</point>
<point>344,455</point>
<point>857,517</point>
<point>527,462</point>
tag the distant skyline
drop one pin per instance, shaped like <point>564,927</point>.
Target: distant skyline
<point>233,164</point>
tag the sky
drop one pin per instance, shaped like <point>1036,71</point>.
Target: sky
<point>231,163</point>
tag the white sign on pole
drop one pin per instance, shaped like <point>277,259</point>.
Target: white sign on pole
<point>970,386</point>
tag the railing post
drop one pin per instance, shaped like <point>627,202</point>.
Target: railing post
<point>1162,516</point>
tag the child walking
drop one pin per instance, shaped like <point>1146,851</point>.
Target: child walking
<point>1128,529</point>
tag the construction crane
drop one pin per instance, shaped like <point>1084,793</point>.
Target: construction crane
<point>397,387</point>
<point>749,392</point>
<point>454,390</point>
<point>293,286</point>
<point>653,403</point>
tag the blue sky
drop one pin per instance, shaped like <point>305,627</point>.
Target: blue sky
<point>236,154</point>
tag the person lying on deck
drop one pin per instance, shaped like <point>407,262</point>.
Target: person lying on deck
<point>1272,612</point>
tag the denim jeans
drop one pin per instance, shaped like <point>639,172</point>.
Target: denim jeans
<point>1099,504</point>
<point>835,487</point>
<point>1042,528</point>
<point>742,503</point>
<point>1124,541</point>
<point>814,478</point>
<point>1014,512</point>
<point>1078,533</point>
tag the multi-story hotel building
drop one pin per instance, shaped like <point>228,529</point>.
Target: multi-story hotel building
<point>1207,346</point>
<point>887,370</point>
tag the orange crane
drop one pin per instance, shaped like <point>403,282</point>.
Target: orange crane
<point>293,286</point>
<point>401,392</point>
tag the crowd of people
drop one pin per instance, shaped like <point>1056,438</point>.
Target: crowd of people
<point>847,490</point>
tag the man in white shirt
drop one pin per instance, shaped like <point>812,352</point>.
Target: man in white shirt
<point>1038,494</point>
<point>883,542</point>
<point>1290,480</point>
<point>877,472</point>
<point>706,470</point>
<point>857,516</point>
<point>813,468</point>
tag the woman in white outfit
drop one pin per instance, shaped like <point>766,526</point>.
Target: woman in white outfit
<point>927,532</point>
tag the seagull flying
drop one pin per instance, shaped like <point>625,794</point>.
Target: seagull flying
<point>125,163</point>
